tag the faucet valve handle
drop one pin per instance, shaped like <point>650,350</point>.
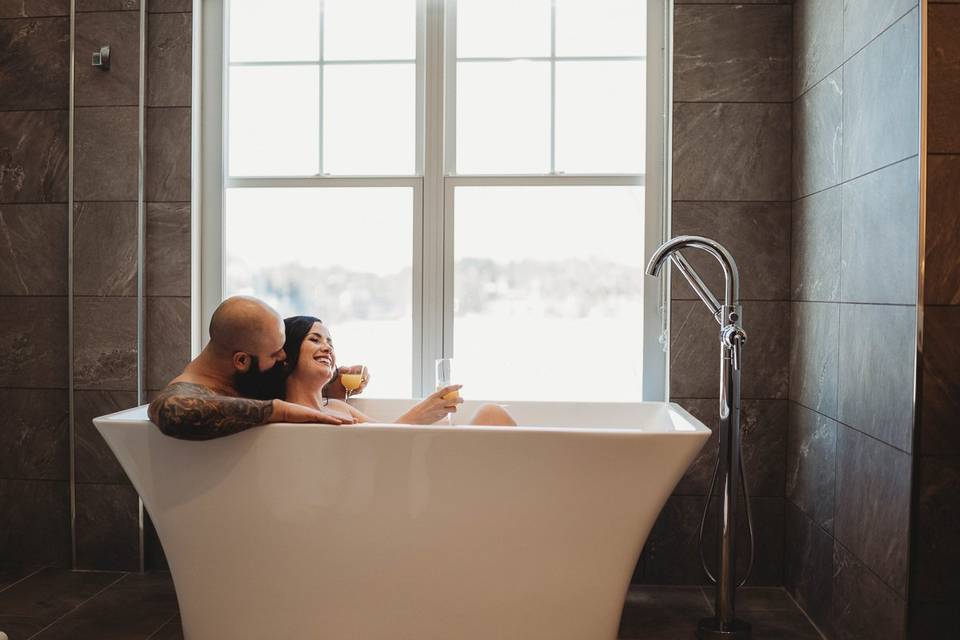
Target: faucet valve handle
<point>733,337</point>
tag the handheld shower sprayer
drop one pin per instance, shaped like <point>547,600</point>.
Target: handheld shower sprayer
<point>729,467</point>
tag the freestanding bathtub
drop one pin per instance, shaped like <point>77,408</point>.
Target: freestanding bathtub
<point>396,532</point>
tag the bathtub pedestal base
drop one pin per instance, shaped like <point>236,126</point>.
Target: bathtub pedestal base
<point>711,629</point>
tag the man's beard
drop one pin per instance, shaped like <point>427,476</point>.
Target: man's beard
<point>260,385</point>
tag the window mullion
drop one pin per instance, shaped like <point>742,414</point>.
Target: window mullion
<point>433,237</point>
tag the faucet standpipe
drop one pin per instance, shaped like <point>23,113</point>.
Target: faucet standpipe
<point>729,469</point>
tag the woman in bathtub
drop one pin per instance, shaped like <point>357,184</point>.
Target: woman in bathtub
<point>311,362</point>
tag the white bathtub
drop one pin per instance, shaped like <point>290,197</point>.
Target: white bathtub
<point>394,532</point>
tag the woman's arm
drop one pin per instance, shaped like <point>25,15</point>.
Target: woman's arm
<point>432,408</point>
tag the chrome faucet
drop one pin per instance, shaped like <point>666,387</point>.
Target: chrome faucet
<point>729,466</point>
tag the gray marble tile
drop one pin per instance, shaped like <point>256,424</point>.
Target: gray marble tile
<point>172,630</point>
<point>811,464</point>
<point>876,373</point>
<point>168,339</point>
<point>105,153</point>
<point>732,2</point>
<point>815,247</point>
<point>935,560</point>
<point>107,5</point>
<point>881,103</point>
<point>34,8</point>
<point>940,382</point>
<point>695,350</point>
<point>105,343</point>
<point>168,244</point>
<point>33,156</point>
<point>34,434</point>
<point>931,620</point>
<point>670,555</point>
<point>169,59</point>
<point>120,85</point>
<point>170,6</point>
<point>861,605</point>
<point>817,41</point>
<point>768,530</point>
<point>756,233</point>
<point>864,20</point>
<point>814,347</point>
<point>808,565</point>
<point>731,53</point>
<point>873,504</point>
<point>662,613</point>
<point>154,558</point>
<point>33,249</point>
<point>941,277</point>
<point>731,151</point>
<point>943,78</point>
<point>33,342</point>
<point>36,525</point>
<point>136,606</point>
<point>105,249</point>
<point>52,592</point>
<point>95,461</point>
<point>168,154</point>
<point>881,219</point>
<point>34,64</point>
<point>818,136</point>
<point>763,425</point>
<point>107,527</point>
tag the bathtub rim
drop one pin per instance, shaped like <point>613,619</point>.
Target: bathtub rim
<point>698,430</point>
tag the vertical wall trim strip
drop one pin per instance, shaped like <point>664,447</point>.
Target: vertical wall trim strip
<point>141,240</point>
<point>70,404</point>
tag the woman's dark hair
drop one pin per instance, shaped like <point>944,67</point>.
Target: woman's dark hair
<point>297,328</point>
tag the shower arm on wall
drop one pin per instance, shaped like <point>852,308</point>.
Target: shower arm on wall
<point>729,466</point>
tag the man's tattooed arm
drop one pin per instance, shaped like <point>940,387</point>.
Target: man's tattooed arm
<point>193,412</point>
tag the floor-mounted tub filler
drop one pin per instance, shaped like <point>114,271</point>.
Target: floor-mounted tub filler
<point>397,532</point>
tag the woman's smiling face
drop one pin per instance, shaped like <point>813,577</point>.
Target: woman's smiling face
<point>317,356</point>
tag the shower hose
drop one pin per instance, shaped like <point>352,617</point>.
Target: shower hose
<point>703,521</point>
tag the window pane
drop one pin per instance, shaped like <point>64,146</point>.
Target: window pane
<point>503,117</point>
<point>601,28</point>
<point>274,31</point>
<point>369,119</point>
<point>600,117</point>
<point>274,120</point>
<point>503,28</point>
<point>300,250</point>
<point>548,301</point>
<point>369,29</point>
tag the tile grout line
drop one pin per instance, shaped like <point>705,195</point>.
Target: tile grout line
<point>162,625</point>
<point>30,575</point>
<point>805,614</point>
<point>78,606</point>
<point>851,427</point>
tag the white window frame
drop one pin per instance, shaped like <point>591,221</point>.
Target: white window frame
<point>433,185</point>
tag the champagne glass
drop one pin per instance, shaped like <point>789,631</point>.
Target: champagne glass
<point>351,381</point>
<point>445,378</point>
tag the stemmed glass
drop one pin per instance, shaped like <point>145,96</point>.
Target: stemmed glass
<point>351,381</point>
<point>444,379</point>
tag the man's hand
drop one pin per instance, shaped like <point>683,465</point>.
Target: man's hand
<point>335,389</point>
<point>284,411</point>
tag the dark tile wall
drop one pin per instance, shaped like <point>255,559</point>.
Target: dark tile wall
<point>854,270</point>
<point>732,182</point>
<point>105,253</point>
<point>935,552</point>
<point>34,431</point>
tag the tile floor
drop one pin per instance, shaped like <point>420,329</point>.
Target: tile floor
<point>55,604</point>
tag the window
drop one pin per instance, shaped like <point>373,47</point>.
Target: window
<point>479,179</point>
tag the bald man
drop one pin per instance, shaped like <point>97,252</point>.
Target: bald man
<point>228,387</point>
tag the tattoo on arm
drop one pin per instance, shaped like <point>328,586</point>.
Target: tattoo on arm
<point>193,412</point>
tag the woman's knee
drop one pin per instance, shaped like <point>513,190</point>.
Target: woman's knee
<point>493,415</point>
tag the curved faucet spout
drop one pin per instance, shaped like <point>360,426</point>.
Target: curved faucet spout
<point>670,250</point>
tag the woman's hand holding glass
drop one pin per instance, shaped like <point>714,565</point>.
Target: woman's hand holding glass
<point>436,406</point>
